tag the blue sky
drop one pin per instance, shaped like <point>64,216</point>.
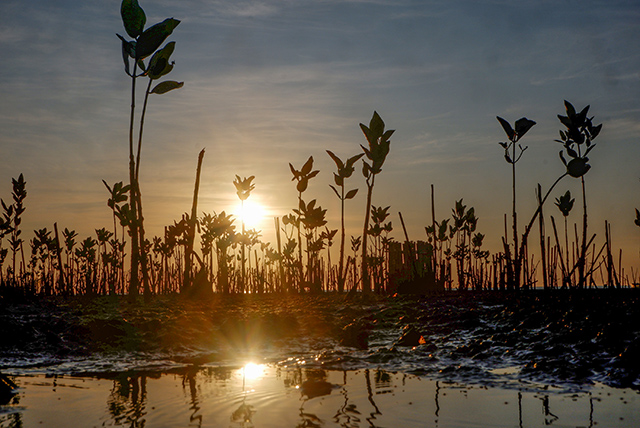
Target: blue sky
<point>273,82</point>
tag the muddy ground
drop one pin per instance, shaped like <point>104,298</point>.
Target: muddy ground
<point>550,337</point>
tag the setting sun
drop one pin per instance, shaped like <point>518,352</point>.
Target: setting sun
<point>252,213</point>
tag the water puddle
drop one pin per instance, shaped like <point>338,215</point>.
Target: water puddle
<point>296,395</point>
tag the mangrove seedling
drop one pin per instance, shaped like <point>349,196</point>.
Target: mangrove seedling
<point>512,154</point>
<point>379,145</point>
<point>145,43</point>
<point>302,177</point>
<point>345,170</point>
<point>577,140</point>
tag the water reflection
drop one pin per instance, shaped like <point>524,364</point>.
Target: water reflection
<point>127,400</point>
<point>299,396</point>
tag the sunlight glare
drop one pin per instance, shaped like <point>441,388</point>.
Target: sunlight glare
<point>253,371</point>
<point>252,214</point>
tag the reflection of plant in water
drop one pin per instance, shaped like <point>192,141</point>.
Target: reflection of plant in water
<point>128,400</point>
<point>314,386</point>
<point>190,379</point>
<point>241,417</point>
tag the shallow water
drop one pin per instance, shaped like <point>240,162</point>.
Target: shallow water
<point>293,394</point>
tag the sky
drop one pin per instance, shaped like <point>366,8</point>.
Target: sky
<point>268,83</point>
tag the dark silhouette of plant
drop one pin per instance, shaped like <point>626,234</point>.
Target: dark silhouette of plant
<point>69,237</point>
<point>328,235</point>
<point>377,152</point>
<point>120,210</point>
<point>637,220</point>
<point>302,177</point>
<point>43,257</point>
<point>345,170</point>
<point>198,288</point>
<point>219,228</point>
<point>312,218</point>
<point>464,224</point>
<point>86,256</point>
<point>379,231</point>
<point>356,242</point>
<point>479,257</point>
<point>12,220</point>
<point>145,43</point>
<point>577,140</point>
<point>513,153</point>
<point>580,131</point>
<point>565,205</point>
<point>118,195</point>
<point>244,186</point>
<point>105,274</point>
<point>439,238</point>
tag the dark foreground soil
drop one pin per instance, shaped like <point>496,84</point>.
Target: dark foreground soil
<point>568,337</point>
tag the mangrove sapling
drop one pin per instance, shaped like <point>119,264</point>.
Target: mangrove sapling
<point>69,237</point>
<point>379,145</point>
<point>345,170</point>
<point>145,43</point>
<point>12,220</point>
<point>223,233</point>
<point>118,195</point>
<point>312,218</point>
<point>104,277</point>
<point>244,186</point>
<point>86,256</point>
<point>302,177</point>
<point>513,153</point>
<point>328,235</point>
<point>62,288</point>
<point>478,274</point>
<point>356,242</point>
<point>379,231</point>
<point>42,248</point>
<point>579,132</point>
<point>464,223</point>
<point>438,237</point>
<point>565,205</point>
<point>120,210</point>
<point>543,247</point>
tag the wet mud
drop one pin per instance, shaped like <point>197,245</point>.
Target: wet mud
<point>545,337</point>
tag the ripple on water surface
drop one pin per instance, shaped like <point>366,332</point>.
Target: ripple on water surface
<point>297,395</point>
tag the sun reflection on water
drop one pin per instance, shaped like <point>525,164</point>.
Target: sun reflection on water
<point>252,371</point>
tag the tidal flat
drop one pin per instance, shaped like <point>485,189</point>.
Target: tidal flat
<point>455,359</point>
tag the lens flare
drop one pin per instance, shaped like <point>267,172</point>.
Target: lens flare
<point>252,213</point>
